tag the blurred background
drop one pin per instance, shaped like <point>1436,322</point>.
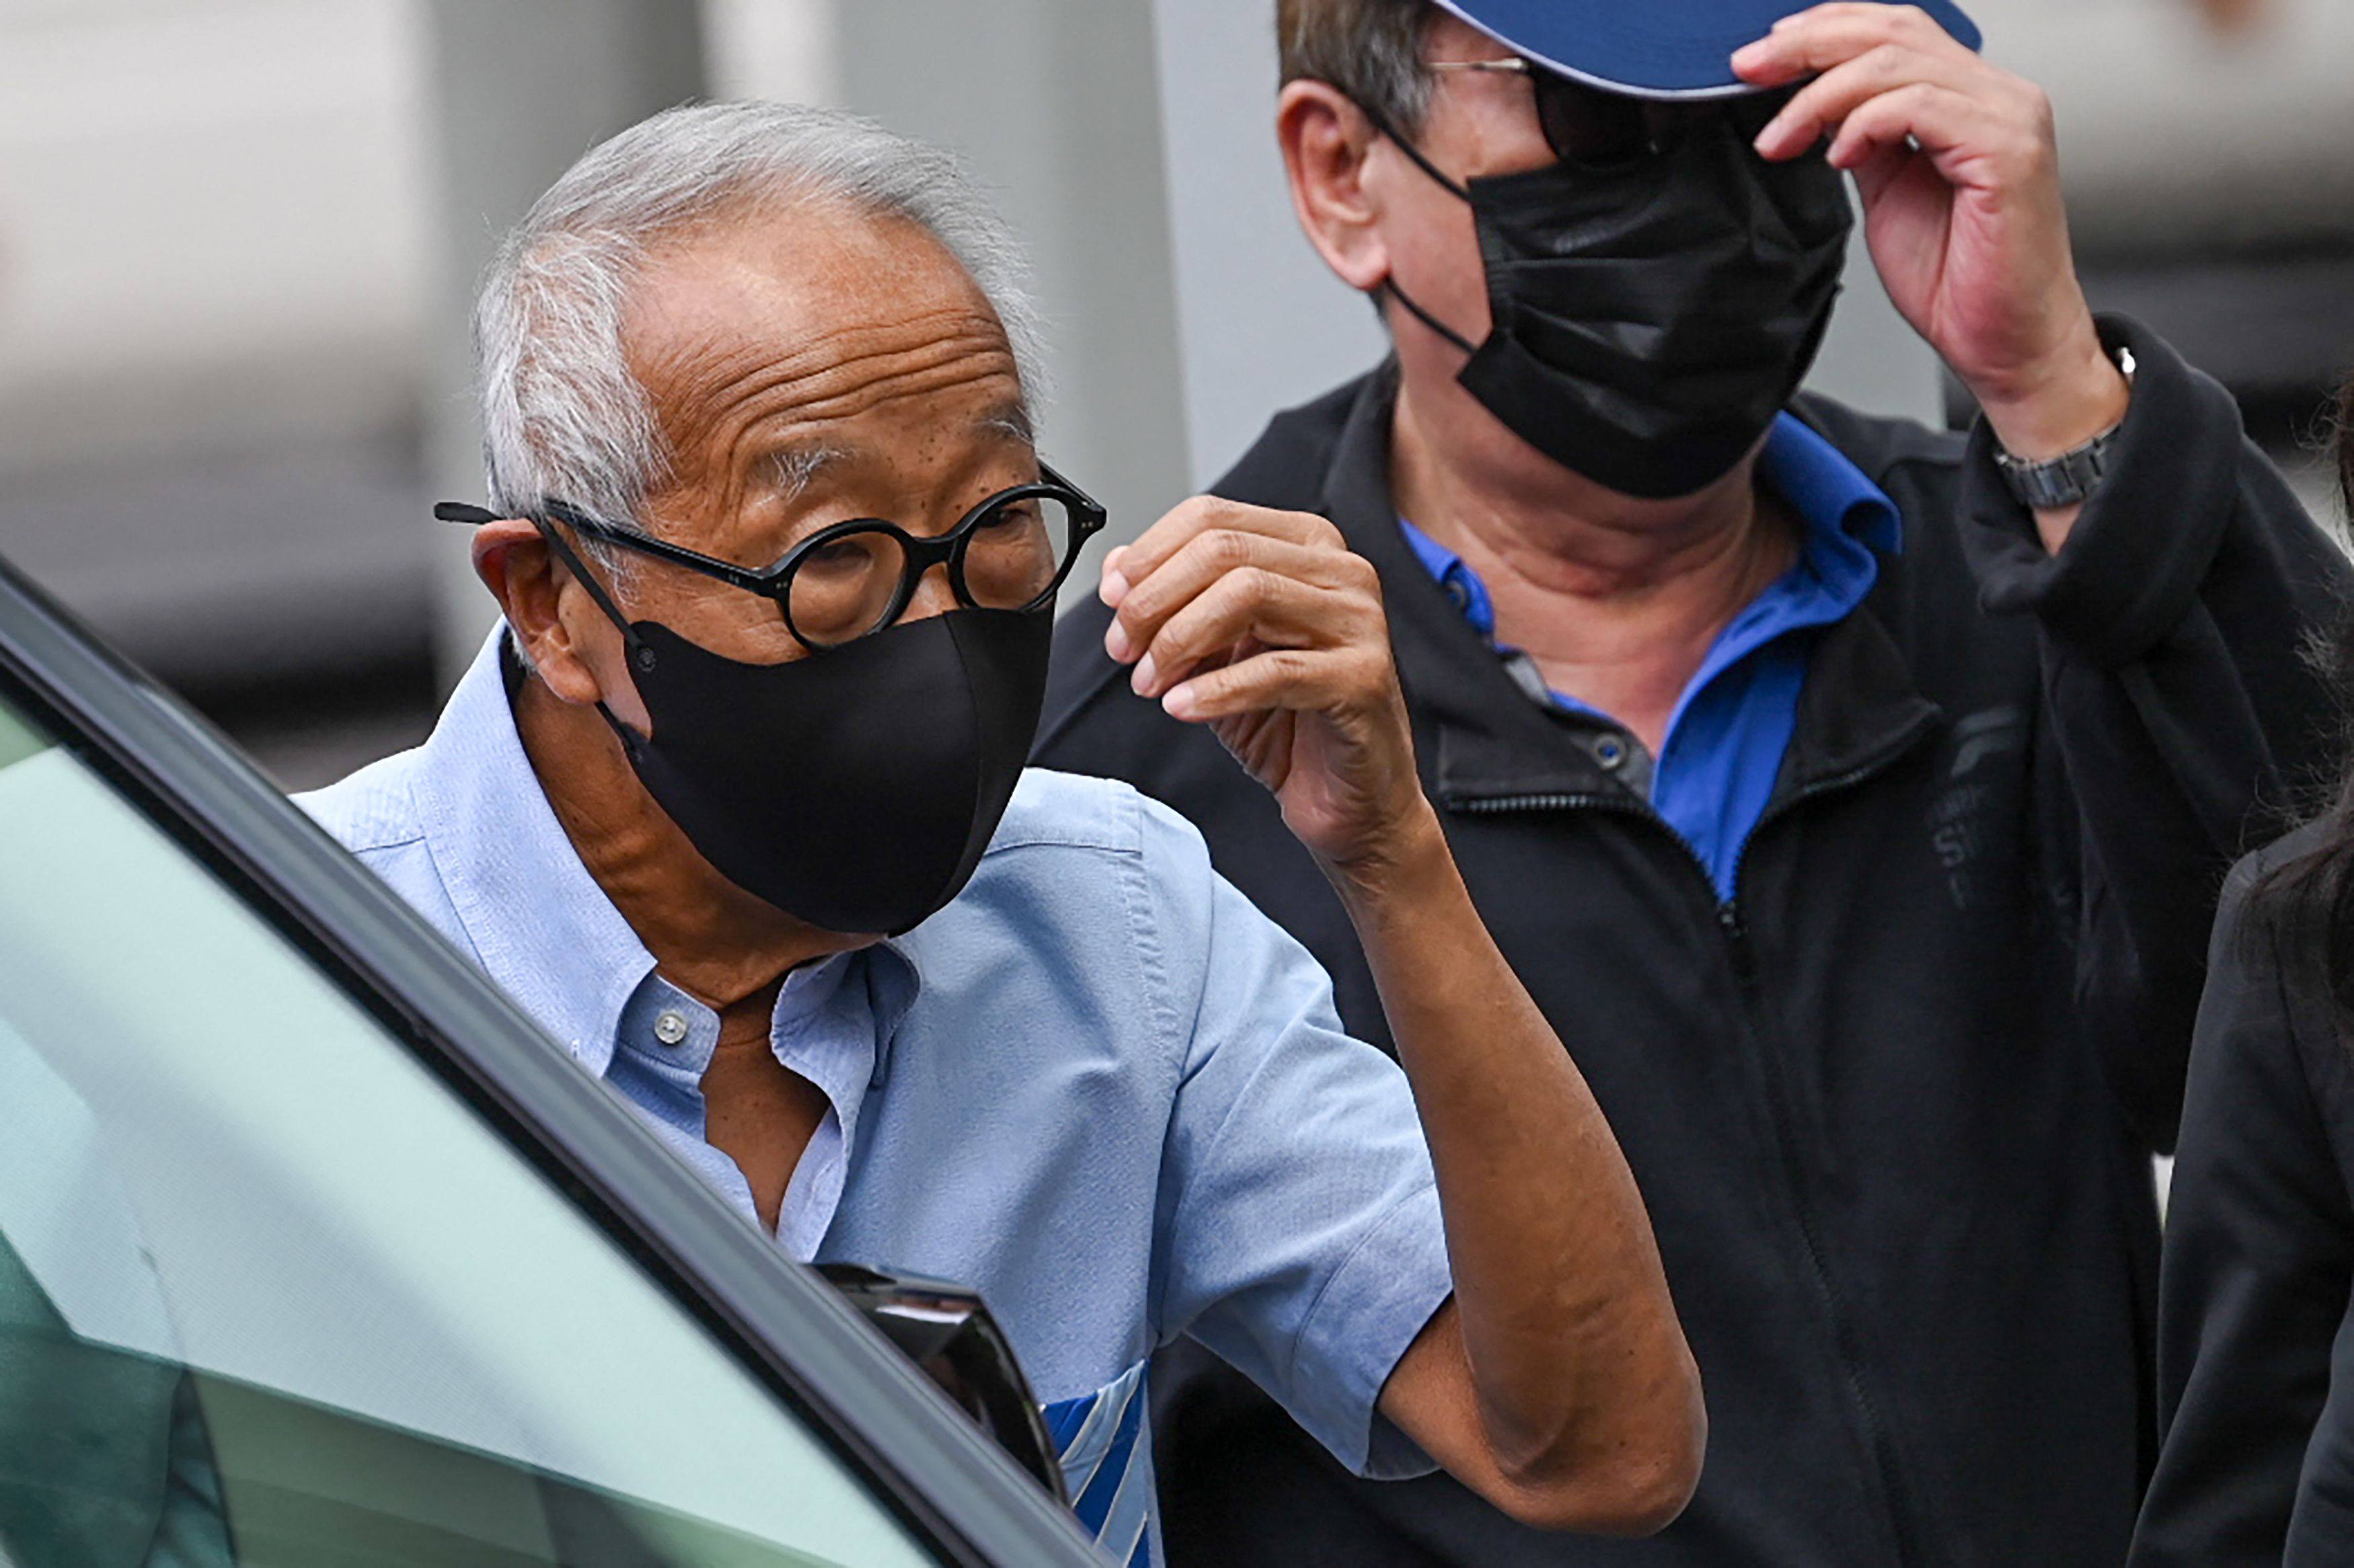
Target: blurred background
<point>237,239</point>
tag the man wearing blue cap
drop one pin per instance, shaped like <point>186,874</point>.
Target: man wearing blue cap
<point>1852,797</point>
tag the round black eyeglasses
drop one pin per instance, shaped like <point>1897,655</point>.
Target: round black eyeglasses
<point>849,579</point>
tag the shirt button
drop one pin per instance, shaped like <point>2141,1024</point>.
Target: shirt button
<point>1610,751</point>
<point>671,1028</point>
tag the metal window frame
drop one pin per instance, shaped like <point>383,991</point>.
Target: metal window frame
<point>786,1327</point>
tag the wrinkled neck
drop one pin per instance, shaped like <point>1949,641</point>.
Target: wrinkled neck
<point>1617,599</point>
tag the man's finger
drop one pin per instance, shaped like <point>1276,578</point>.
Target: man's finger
<point>1266,606</point>
<point>1951,127</point>
<point>1211,554</point>
<point>1825,102</point>
<point>1130,565</point>
<point>1881,168</point>
<point>1302,680</point>
<point>1830,36</point>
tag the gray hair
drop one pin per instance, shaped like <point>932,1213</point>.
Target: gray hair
<point>562,416</point>
<point>1370,50</point>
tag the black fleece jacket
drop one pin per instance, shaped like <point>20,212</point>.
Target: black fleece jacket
<point>1891,1105</point>
<point>2256,1350</point>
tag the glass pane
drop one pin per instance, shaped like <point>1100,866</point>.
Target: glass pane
<point>843,588</point>
<point>271,1294</point>
<point>1015,553</point>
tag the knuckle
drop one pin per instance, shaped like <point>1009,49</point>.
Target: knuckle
<point>1257,585</point>
<point>1173,645</point>
<point>1240,517</point>
<point>1228,550</point>
<point>1288,666</point>
<point>1367,678</point>
<point>1212,685</point>
<point>1143,606</point>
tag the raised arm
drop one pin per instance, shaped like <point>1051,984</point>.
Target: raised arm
<point>1557,1384</point>
<point>2175,602</point>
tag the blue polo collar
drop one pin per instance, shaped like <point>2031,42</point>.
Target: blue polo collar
<point>1846,517</point>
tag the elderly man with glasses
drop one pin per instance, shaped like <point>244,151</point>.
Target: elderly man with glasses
<point>735,803</point>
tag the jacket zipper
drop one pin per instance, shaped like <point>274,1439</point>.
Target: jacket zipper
<point>1734,929</point>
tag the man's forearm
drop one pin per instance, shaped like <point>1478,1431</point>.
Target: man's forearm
<point>1558,1382</point>
<point>1569,1334</point>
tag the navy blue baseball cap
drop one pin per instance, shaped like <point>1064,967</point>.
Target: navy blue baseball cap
<point>1650,49</point>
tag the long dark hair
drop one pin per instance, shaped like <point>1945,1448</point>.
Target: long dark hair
<point>2311,897</point>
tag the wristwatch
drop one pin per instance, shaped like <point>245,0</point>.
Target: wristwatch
<point>2072,476</point>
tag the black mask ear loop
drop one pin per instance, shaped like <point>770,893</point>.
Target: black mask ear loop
<point>641,657</point>
<point>1389,285</point>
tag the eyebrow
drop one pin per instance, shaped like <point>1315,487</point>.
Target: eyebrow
<point>1011,418</point>
<point>796,466</point>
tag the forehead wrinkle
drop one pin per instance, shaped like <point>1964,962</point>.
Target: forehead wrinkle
<point>943,375</point>
<point>795,464</point>
<point>732,365</point>
<point>761,391</point>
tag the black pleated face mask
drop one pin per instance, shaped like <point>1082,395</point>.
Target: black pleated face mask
<point>1651,319</point>
<point>854,789</point>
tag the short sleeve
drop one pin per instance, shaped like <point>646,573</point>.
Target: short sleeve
<point>1298,1232</point>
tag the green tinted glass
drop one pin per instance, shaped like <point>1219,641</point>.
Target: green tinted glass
<point>18,739</point>
<point>271,1294</point>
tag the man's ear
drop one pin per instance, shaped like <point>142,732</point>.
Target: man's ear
<point>515,564</point>
<point>1327,141</point>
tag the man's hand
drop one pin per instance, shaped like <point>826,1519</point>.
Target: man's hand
<point>1265,626</point>
<point>1960,177</point>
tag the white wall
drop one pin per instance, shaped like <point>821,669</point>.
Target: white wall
<point>1053,105</point>
<point>212,223</point>
<point>1263,326</point>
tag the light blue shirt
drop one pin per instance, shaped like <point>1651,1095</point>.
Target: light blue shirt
<point>1728,731</point>
<point>1100,1087</point>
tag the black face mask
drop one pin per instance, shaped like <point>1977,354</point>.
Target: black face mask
<point>854,789</point>
<point>1653,317</point>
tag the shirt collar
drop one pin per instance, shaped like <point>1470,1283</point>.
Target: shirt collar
<point>539,923</point>
<point>1822,485</point>
<point>1456,578</point>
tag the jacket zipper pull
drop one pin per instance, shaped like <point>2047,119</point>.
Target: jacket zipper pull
<point>1737,937</point>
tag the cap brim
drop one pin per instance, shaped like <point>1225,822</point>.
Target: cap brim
<point>1652,49</point>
